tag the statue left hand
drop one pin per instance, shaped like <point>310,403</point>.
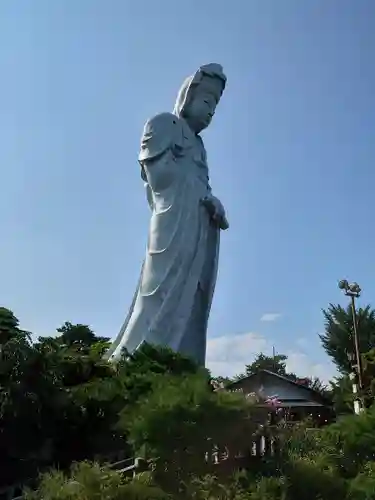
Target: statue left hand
<point>216,211</point>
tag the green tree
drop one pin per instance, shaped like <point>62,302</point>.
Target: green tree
<point>9,327</point>
<point>275,364</point>
<point>344,447</point>
<point>155,360</point>
<point>94,396</point>
<point>59,401</point>
<point>368,377</point>
<point>182,421</point>
<point>30,399</point>
<point>221,381</point>
<point>342,396</point>
<point>338,342</point>
<point>76,337</point>
<point>138,371</point>
<point>362,487</point>
<point>76,334</point>
<point>337,339</point>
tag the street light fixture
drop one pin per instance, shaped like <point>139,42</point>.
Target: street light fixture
<point>353,290</point>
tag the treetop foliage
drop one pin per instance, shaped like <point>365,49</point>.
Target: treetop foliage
<point>66,413</point>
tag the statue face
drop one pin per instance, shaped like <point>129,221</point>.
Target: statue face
<point>202,105</point>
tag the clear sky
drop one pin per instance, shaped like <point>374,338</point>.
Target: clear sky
<point>291,153</point>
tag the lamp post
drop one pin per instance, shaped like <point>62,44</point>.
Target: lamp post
<point>353,290</point>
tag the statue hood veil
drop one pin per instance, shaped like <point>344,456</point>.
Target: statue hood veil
<point>184,95</point>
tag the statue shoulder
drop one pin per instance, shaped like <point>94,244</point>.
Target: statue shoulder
<point>160,133</point>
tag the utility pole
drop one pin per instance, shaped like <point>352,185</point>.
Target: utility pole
<point>353,290</point>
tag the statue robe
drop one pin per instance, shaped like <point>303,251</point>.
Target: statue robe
<point>172,302</point>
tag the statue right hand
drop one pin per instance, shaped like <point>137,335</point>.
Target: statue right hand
<point>216,211</point>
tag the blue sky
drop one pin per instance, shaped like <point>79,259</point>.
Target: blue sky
<point>291,153</point>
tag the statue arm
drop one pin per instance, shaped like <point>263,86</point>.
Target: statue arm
<point>161,144</point>
<point>214,205</point>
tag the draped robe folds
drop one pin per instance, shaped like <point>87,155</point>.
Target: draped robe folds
<point>172,302</point>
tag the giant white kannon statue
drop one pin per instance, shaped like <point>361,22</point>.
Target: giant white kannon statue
<point>172,302</point>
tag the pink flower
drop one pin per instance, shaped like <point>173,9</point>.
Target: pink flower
<point>273,401</point>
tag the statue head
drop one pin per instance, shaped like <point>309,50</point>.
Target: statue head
<point>199,96</point>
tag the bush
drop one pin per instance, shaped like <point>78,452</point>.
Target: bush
<point>91,482</point>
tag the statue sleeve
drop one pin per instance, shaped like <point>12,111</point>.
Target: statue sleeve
<point>161,133</point>
<point>160,145</point>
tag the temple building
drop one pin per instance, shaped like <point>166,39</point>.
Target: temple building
<point>291,400</point>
